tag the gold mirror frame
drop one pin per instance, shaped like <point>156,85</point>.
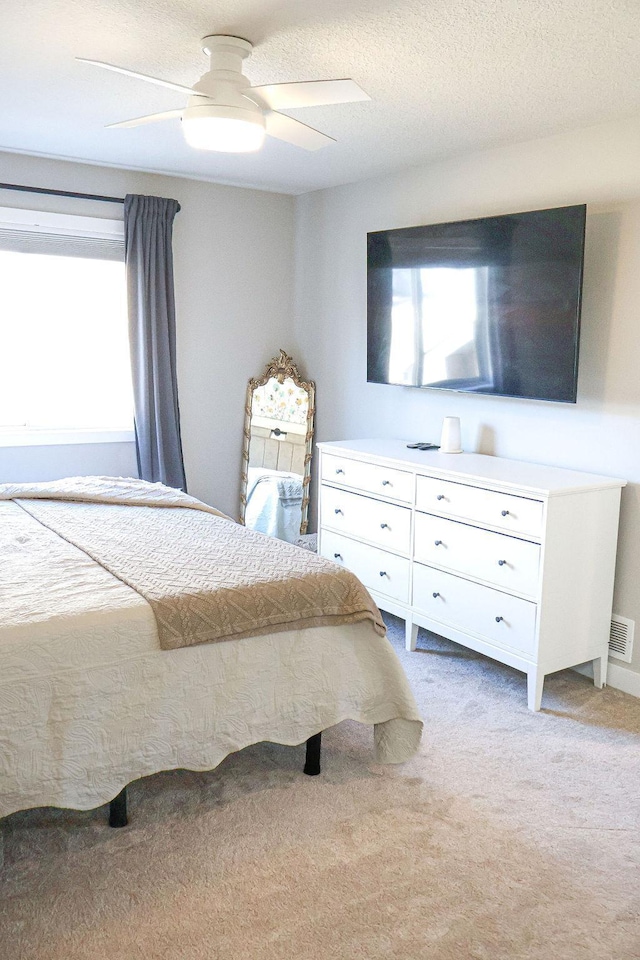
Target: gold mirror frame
<point>280,368</point>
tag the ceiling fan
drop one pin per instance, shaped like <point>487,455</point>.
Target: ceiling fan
<point>225,113</point>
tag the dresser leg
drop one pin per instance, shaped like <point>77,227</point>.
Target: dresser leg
<point>411,635</point>
<point>600,665</point>
<point>535,683</point>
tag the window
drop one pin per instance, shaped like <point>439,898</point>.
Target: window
<point>64,351</point>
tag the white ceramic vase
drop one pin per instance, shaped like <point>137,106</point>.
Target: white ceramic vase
<point>450,439</point>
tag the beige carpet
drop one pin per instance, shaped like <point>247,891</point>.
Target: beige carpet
<point>512,835</point>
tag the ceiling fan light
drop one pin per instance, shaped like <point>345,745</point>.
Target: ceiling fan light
<point>223,129</point>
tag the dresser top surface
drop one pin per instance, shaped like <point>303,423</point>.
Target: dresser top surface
<point>473,467</point>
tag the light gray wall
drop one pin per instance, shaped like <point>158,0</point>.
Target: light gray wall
<point>31,464</point>
<point>233,255</point>
<point>601,433</point>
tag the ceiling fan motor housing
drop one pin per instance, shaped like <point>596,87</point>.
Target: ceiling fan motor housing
<point>224,78</point>
<point>224,118</point>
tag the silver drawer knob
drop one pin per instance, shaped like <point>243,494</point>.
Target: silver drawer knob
<point>337,510</point>
<point>386,483</point>
<point>384,526</point>
<point>441,496</point>
<point>339,470</point>
<point>499,619</point>
<point>437,542</point>
<point>436,594</point>
<point>505,513</point>
<point>337,556</point>
<point>501,563</point>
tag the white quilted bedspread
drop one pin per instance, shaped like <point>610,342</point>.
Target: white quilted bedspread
<point>117,490</point>
<point>89,701</point>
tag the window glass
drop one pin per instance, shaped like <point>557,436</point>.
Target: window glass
<point>64,349</point>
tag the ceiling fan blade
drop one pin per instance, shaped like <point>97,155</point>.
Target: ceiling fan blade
<point>150,118</point>
<point>309,93</point>
<point>142,76</point>
<point>292,131</point>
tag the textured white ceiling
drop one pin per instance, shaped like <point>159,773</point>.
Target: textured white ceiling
<point>446,76</point>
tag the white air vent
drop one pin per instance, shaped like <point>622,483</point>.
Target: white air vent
<point>621,638</point>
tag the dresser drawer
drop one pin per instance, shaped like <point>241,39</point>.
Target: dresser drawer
<point>507,562</point>
<point>383,524</point>
<point>368,477</point>
<point>380,571</point>
<point>506,621</point>
<point>513,514</point>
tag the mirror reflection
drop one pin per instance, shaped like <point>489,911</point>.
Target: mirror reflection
<point>278,440</point>
<point>440,326</point>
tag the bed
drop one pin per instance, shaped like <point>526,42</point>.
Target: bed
<point>93,696</point>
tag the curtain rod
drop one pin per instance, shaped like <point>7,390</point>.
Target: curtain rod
<point>61,193</point>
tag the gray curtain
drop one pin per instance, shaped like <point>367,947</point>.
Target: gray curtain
<point>148,225</point>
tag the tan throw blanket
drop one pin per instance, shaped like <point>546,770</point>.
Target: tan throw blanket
<point>205,577</point>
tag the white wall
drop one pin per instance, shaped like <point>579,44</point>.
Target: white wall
<point>233,254</point>
<point>27,464</point>
<point>601,433</point>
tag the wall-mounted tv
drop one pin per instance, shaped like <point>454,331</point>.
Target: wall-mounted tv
<point>486,306</point>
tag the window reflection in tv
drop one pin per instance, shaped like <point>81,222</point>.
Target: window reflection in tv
<point>485,306</point>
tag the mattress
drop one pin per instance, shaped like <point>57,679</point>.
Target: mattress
<point>89,701</point>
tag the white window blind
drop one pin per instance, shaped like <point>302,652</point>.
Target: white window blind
<point>57,234</point>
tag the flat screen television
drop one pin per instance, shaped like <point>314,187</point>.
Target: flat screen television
<point>486,306</point>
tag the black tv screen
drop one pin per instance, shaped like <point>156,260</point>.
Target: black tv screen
<point>482,306</point>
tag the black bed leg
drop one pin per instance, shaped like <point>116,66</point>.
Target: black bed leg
<point>312,762</point>
<point>118,810</point>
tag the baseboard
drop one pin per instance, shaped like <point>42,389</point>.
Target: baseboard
<point>619,677</point>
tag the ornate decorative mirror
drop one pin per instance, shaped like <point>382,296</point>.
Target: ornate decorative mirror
<point>278,440</point>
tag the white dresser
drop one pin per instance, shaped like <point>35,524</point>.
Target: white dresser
<point>512,559</point>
